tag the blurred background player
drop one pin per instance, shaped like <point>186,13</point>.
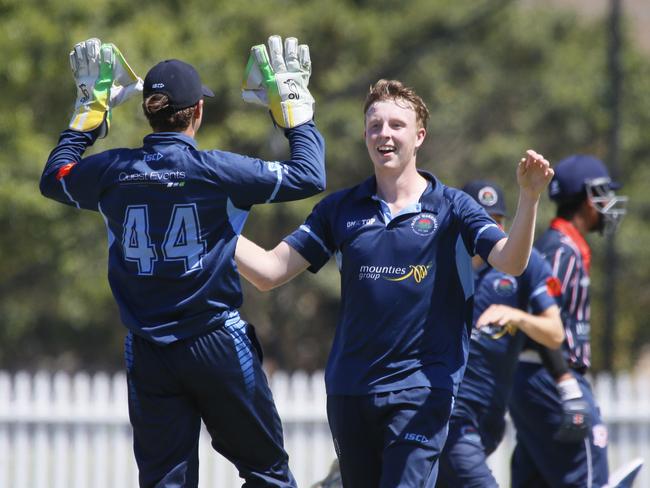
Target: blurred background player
<point>506,311</point>
<point>173,215</point>
<point>403,242</point>
<point>586,202</point>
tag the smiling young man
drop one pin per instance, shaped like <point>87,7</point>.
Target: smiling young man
<point>403,243</point>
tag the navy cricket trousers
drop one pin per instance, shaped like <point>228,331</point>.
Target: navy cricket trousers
<point>474,434</point>
<point>216,377</point>
<point>391,439</point>
<point>538,459</point>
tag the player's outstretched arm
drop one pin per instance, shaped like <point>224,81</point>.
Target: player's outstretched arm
<point>268,269</point>
<point>104,80</point>
<point>277,78</point>
<point>544,328</point>
<point>511,254</point>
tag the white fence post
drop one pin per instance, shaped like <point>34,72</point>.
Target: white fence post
<point>80,444</point>
<point>99,404</point>
<point>5,414</point>
<point>62,401</point>
<point>42,402</point>
<point>22,407</point>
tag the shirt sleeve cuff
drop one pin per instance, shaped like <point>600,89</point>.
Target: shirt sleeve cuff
<point>309,249</point>
<point>486,240</point>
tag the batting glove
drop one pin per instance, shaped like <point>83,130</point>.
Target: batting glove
<point>104,80</point>
<point>576,416</point>
<point>279,80</point>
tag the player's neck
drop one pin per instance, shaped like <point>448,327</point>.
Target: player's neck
<point>586,219</point>
<point>580,224</point>
<point>583,221</point>
<point>190,132</point>
<point>195,123</point>
<point>401,189</point>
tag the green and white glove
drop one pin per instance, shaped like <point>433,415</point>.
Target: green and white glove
<point>104,80</point>
<point>279,80</point>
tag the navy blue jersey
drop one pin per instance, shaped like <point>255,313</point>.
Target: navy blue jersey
<point>494,351</point>
<point>173,215</point>
<point>568,254</point>
<point>406,285</point>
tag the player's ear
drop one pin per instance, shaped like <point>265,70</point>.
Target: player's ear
<point>587,205</point>
<point>419,137</point>
<point>197,117</point>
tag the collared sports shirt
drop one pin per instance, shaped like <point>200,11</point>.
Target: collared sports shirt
<point>173,215</point>
<point>406,284</point>
<point>494,351</point>
<point>562,250</point>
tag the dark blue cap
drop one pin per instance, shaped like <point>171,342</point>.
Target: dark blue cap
<point>573,172</point>
<point>178,80</point>
<point>488,195</point>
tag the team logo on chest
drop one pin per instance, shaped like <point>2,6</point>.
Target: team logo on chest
<point>416,272</point>
<point>424,224</point>
<point>505,286</point>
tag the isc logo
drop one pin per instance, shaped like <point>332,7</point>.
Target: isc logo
<point>152,157</point>
<point>410,436</point>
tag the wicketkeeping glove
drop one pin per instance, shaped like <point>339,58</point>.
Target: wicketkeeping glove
<point>576,416</point>
<point>104,80</point>
<point>280,81</point>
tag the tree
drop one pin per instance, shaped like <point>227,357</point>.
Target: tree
<point>498,78</point>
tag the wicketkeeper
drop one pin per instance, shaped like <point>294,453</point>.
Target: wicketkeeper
<point>173,215</point>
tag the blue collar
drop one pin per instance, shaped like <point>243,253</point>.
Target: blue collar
<point>429,200</point>
<point>157,138</point>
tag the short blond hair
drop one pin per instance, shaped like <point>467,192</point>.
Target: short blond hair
<point>396,90</point>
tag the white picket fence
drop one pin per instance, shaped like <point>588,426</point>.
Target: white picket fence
<point>72,431</point>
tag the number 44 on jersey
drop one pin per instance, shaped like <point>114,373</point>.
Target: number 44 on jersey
<point>182,240</point>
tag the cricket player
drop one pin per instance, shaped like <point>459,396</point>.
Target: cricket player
<point>173,213</point>
<point>507,310</point>
<point>586,202</point>
<point>403,243</point>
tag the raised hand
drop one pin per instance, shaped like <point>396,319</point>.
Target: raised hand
<point>533,174</point>
<point>279,79</point>
<point>104,80</point>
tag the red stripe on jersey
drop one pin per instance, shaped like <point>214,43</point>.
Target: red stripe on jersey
<point>64,170</point>
<point>569,230</point>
